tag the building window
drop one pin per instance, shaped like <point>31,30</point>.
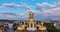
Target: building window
<point>31,25</point>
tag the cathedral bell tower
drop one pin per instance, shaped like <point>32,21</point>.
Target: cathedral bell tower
<point>31,22</point>
<point>31,17</point>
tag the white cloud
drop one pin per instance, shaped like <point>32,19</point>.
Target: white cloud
<point>55,11</point>
<point>12,16</point>
<point>52,5</point>
<point>45,5</point>
<point>58,2</point>
<point>51,12</point>
<point>11,5</point>
<point>42,14</point>
<point>48,9</point>
<point>14,5</point>
<point>25,7</point>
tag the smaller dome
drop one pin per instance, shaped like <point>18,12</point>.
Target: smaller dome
<point>20,28</point>
<point>38,25</point>
<point>42,28</point>
<point>23,25</point>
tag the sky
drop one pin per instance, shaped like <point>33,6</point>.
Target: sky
<point>18,9</point>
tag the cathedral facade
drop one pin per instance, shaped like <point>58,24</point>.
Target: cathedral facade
<point>31,25</point>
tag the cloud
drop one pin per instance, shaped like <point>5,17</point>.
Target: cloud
<point>58,0</point>
<point>53,13</point>
<point>6,16</point>
<point>45,5</point>
<point>48,10</point>
<point>20,16</point>
<point>12,16</point>
<point>23,7</point>
<point>50,13</point>
<point>14,5</point>
<point>23,15</point>
<point>11,5</point>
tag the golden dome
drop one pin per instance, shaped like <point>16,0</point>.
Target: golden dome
<point>32,20</point>
<point>38,25</point>
<point>42,28</point>
<point>22,27</point>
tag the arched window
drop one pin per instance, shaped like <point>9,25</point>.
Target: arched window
<point>34,24</point>
<point>28,25</point>
<point>31,25</point>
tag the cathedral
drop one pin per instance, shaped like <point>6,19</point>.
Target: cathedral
<point>31,25</point>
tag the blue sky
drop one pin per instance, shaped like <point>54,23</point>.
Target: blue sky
<point>31,3</point>
<point>43,8</point>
